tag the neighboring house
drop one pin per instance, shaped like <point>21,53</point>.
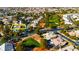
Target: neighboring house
<point>28,19</point>
<point>48,35</point>
<point>18,27</point>
<point>74,16</point>
<point>77,33</point>
<point>9,18</point>
<point>8,47</point>
<point>35,22</point>
<point>77,19</point>
<point>42,23</point>
<point>5,21</point>
<point>54,39</point>
<point>1,18</point>
<point>66,19</point>
<point>58,41</point>
<point>72,33</point>
<point>15,22</point>
<point>68,48</point>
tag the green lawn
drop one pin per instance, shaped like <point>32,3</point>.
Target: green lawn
<point>53,21</point>
<point>30,42</point>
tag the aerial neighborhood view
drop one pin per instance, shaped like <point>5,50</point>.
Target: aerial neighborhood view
<point>39,29</point>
